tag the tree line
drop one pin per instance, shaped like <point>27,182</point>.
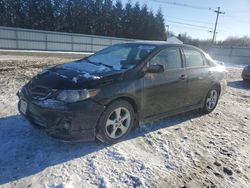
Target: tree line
<point>95,17</point>
<point>243,41</point>
<point>236,41</point>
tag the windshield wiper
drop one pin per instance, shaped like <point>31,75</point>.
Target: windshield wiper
<point>99,63</point>
<point>109,66</point>
<point>86,59</point>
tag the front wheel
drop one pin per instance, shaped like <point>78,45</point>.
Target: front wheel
<point>116,122</point>
<point>211,99</point>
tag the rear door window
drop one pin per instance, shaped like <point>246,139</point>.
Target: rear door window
<point>193,58</point>
<point>170,58</point>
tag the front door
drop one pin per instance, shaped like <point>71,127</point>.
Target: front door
<point>165,92</point>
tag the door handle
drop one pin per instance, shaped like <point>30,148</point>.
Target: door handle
<point>183,77</point>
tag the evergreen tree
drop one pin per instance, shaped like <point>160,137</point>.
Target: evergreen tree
<point>98,17</point>
<point>152,31</point>
<point>126,22</point>
<point>79,16</point>
<point>58,14</point>
<point>40,14</point>
<point>144,20</point>
<point>3,17</point>
<point>107,9</point>
<point>33,18</point>
<point>135,21</point>
<point>160,25</point>
<point>117,19</point>
<point>68,17</point>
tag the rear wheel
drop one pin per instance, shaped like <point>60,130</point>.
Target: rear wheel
<point>211,99</point>
<point>115,122</point>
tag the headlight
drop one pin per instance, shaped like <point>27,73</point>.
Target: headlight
<point>76,95</point>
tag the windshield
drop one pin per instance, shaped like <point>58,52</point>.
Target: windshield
<point>122,56</point>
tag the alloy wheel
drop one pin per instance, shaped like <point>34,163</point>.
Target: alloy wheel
<point>212,99</point>
<point>118,122</point>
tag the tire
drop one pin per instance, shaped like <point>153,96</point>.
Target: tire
<point>246,80</point>
<point>211,100</point>
<point>116,122</point>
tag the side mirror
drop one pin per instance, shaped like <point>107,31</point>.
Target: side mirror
<point>155,68</point>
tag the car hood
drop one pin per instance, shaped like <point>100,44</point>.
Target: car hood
<point>76,75</point>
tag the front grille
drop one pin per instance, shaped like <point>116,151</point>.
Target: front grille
<point>38,92</point>
<point>36,118</point>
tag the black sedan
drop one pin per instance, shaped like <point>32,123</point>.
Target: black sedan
<point>104,95</point>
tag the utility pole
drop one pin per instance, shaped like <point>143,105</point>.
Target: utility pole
<point>218,12</point>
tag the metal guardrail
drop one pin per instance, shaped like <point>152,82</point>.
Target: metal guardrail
<point>28,39</point>
<point>231,54</point>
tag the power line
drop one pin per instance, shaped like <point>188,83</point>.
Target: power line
<point>198,7</point>
<point>238,20</point>
<point>194,7</point>
<point>240,11</point>
<point>181,4</point>
<point>193,25</point>
<point>188,20</point>
<point>190,27</point>
<point>217,11</point>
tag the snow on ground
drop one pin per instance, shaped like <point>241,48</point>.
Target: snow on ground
<point>188,150</point>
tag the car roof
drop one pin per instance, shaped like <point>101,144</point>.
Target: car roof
<point>159,43</point>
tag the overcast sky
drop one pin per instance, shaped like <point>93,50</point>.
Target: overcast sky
<point>199,20</point>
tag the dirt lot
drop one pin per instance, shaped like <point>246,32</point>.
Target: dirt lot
<point>188,150</point>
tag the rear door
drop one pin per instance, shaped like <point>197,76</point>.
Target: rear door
<point>199,75</point>
<point>164,92</point>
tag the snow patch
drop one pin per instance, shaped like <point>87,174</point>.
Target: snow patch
<point>63,76</point>
<point>172,152</point>
<point>74,79</point>
<point>44,71</point>
<point>87,75</point>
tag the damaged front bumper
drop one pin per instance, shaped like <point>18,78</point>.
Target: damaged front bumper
<point>69,122</point>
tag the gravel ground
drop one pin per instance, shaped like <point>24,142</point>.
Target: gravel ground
<point>188,150</point>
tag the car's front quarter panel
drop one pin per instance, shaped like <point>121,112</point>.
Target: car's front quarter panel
<point>130,88</point>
